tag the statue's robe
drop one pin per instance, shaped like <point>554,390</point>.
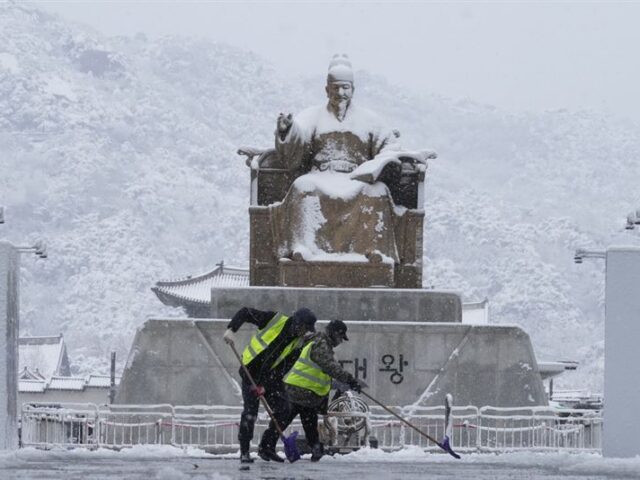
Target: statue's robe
<point>326,215</point>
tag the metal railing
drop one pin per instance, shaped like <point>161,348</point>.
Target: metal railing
<point>539,428</point>
<point>215,428</point>
<point>69,424</point>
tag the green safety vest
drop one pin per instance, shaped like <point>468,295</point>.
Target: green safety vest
<point>263,338</point>
<point>308,375</point>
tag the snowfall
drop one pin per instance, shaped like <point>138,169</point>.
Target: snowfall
<point>121,152</point>
<point>169,463</point>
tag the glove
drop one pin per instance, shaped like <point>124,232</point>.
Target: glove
<point>341,387</point>
<point>357,385</point>
<point>258,390</point>
<point>229,336</point>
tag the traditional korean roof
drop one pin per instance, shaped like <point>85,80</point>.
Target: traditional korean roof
<point>28,374</point>
<point>197,289</point>
<point>45,356</point>
<point>66,383</point>
<point>100,381</point>
<point>31,386</point>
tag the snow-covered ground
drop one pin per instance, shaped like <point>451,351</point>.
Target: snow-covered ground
<point>168,463</point>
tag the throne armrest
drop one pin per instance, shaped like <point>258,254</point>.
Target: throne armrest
<point>260,158</point>
<point>405,182</point>
<point>270,180</point>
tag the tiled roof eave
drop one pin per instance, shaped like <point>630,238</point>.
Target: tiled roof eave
<point>204,276</point>
<point>173,299</point>
<point>196,291</point>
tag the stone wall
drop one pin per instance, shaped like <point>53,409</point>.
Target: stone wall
<point>186,362</point>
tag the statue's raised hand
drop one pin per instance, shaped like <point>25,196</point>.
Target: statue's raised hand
<point>284,124</point>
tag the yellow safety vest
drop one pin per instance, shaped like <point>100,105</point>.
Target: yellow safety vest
<point>261,340</point>
<point>308,375</point>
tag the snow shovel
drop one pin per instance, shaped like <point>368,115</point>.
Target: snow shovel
<point>444,445</point>
<point>290,446</point>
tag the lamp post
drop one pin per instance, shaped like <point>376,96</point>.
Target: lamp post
<point>621,353</point>
<point>39,248</point>
<point>9,331</point>
<point>581,254</point>
<point>633,219</point>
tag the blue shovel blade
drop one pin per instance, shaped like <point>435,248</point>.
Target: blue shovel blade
<point>290,447</point>
<point>446,446</point>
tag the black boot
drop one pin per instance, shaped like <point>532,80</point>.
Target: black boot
<point>316,452</point>
<point>245,458</point>
<point>269,455</point>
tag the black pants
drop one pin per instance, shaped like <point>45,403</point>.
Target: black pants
<point>277,400</point>
<point>308,417</point>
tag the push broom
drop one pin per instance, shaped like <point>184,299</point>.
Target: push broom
<point>444,444</point>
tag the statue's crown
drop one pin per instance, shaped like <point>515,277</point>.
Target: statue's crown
<point>340,69</point>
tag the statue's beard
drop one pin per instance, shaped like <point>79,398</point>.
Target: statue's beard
<point>340,108</point>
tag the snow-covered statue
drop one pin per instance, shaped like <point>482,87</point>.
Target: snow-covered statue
<point>339,203</point>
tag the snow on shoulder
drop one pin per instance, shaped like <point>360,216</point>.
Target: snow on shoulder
<point>360,121</point>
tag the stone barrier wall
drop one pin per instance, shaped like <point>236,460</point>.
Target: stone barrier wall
<point>345,304</point>
<point>186,362</point>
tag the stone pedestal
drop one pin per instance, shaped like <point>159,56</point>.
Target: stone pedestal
<point>384,304</point>
<point>9,308</point>
<point>186,362</point>
<point>335,274</point>
<point>409,345</point>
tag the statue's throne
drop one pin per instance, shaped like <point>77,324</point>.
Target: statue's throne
<point>270,182</point>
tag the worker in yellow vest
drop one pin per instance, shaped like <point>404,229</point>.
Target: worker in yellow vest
<point>268,356</point>
<point>308,384</point>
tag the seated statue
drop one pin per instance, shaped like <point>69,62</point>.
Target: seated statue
<point>342,161</point>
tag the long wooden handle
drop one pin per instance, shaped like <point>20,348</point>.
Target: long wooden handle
<point>260,397</point>
<point>406,422</point>
<point>215,356</point>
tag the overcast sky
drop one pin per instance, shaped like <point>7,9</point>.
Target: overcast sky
<point>516,55</point>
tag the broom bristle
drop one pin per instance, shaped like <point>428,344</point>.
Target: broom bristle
<point>291,447</point>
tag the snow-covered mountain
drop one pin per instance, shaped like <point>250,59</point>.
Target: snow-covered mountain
<point>120,152</point>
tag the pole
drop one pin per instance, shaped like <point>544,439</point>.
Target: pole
<point>9,327</point>
<point>402,419</point>
<point>445,443</point>
<point>261,397</point>
<point>112,384</point>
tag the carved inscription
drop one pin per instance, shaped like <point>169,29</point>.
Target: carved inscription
<point>388,361</point>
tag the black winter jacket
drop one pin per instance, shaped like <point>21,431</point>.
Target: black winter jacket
<point>260,367</point>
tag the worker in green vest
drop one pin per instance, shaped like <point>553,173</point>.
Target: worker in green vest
<point>308,384</point>
<point>270,353</point>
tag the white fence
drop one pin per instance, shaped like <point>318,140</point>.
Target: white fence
<point>215,428</point>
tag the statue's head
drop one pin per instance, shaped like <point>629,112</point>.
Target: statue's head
<point>339,84</point>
